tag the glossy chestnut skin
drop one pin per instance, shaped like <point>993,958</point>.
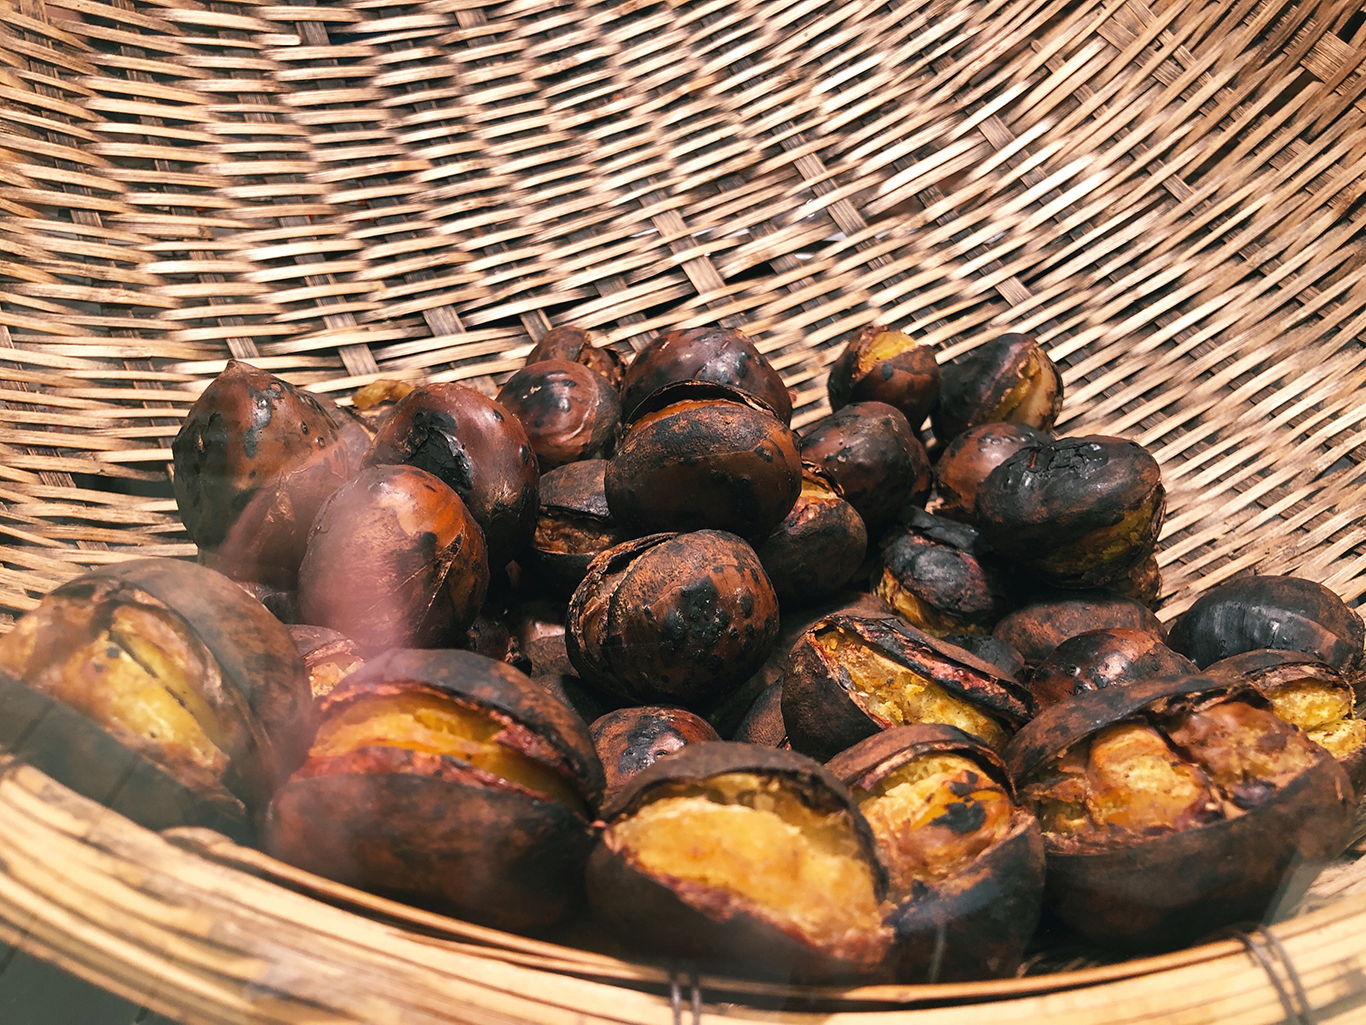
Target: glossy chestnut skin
<point>432,828</point>
<point>476,448</point>
<point>725,931</point>
<point>394,559</point>
<point>573,526</point>
<point>817,548</point>
<point>1103,658</point>
<point>574,344</point>
<point>1169,885</point>
<point>969,459</point>
<point>1044,623</point>
<point>712,464</point>
<point>629,739</point>
<point>568,411</point>
<point>254,460</point>
<point>907,378</point>
<point>871,452</point>
<point>1078,512</point>
<point>700,363</point>
<point>975,922</point>
<point>829,704</point>
<point>1008,379</point>
<point>673,618</point>
<point>1289,613</point>
<point>941,578</point>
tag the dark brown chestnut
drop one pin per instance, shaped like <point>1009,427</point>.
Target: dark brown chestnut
<point>394,559</point>
<point>1103,658</point>
<point>749,859</point>
<point>873,455</point>
<point>673,618</point>
<point>254,460</point>
<point>701,363</point>
<point>1008,379</point>
<point>710,464</point>
<point>965,862</point>
<point>763,723</point>
<point>328,656</point>
<point>1289,613</point>
<point>1172,808</point>
<point>568,411</point>
<point>573,525</point>
<point>881,365</point>
<point>476,448</point>
<point>447,779</point>
<point>849,678</point>
<point>629,739</point>
<point>1079,512</point>
<point>1044,623</point>
<point>969,459</point>
<point>818,547</point>
<point>993,651</point>
<point>575,345</point>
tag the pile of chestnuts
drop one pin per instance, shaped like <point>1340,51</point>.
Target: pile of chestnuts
<point>621,655</point>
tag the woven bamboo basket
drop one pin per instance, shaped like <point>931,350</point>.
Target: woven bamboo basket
<point>1168,194</point>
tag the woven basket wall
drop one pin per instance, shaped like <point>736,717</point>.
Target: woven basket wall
<point>1169,195</point>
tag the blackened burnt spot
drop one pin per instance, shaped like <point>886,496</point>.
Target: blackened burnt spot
<point>434,447</point>
<point>262,409</point>
<point>747,604</point>
<point>966,785</point>
<point>963,817</point>
<point>887,371</point>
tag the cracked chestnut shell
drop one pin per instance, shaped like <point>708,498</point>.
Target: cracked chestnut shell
<point>1289,613</point>
<point>871,453</point>
<point>1079,512</point>
<point>1103,658</point>
<point>1174,807</point>
<point>969,459</point>
<point>254,460</point>
<point>450,780</point>
<point>575,345</point>
<point>818,547</point>
<point>881,365</point>
<point>749,859</point>
<point>161,689</point>
<point>568,411</point>
<point>1008,379</point>
<point>629,739</point>
<point>1044,623</point>
<point>477,449</point>
<point>965,862</point>
<point>328,656</point>
<point>850,677</point>
<point>574,525</point>
<point>394,560</point>
<point>673,619</point>
<point>701,363</point>
<point>705,464</point>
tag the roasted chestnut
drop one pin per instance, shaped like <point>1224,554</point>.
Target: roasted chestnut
<point>573,344</point>
<point>1079,512</point>
<point>328,656</point>
<point>993,651</point>
<point>254,460</point>
<point>870,451</point>
<point>763,723</point>
<point>1008,379</point>
<point>445,778</point>
<point>539,627</point>
<point>1172,808</point>
<point>849,678</point>
<point>941,578</point>
<point>568,411</point>
<point>818,547</point>
<point>969,459</point>
<point>886,366</point>
<point>965,863</point>
<point>1040,626</point>
<point>160,688</point>
<point>673,618</point>
<point>1288,613</point>
<point>478,449</point>
<point>629,739</point>
<point>573,525</point>
<point>1103,658</point>
<point>709,464</point>
<point>701,363</point>
<point>1143,583</point>
<point>394,559</point>
<point>750,859</point>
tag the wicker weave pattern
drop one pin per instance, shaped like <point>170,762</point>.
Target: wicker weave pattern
<point>1168,195</point>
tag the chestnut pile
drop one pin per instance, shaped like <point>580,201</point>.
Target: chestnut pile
<point>621,653</point>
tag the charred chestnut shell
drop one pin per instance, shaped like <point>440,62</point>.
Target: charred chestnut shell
<point>849,678</point>
<point>477,449</point>
<point>701,363</point>
<point>673,618</point>
<point>737,895</point>
<point>629,739</point>
<point>448,779</point>
<point>969,876</point>
<point>574,525</point>
<point>969,459</point>
<point>568,411</point>
<point>1008,379</point>
<point>818,547</point>
<point>881,365</point>
<point>573,344</point>
<point>328,656</point>
<point>1174,807</point>
<point>710,464</point>
<point>1284,612</point>
<point>1035,630</point>
<point>1103,658</point>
